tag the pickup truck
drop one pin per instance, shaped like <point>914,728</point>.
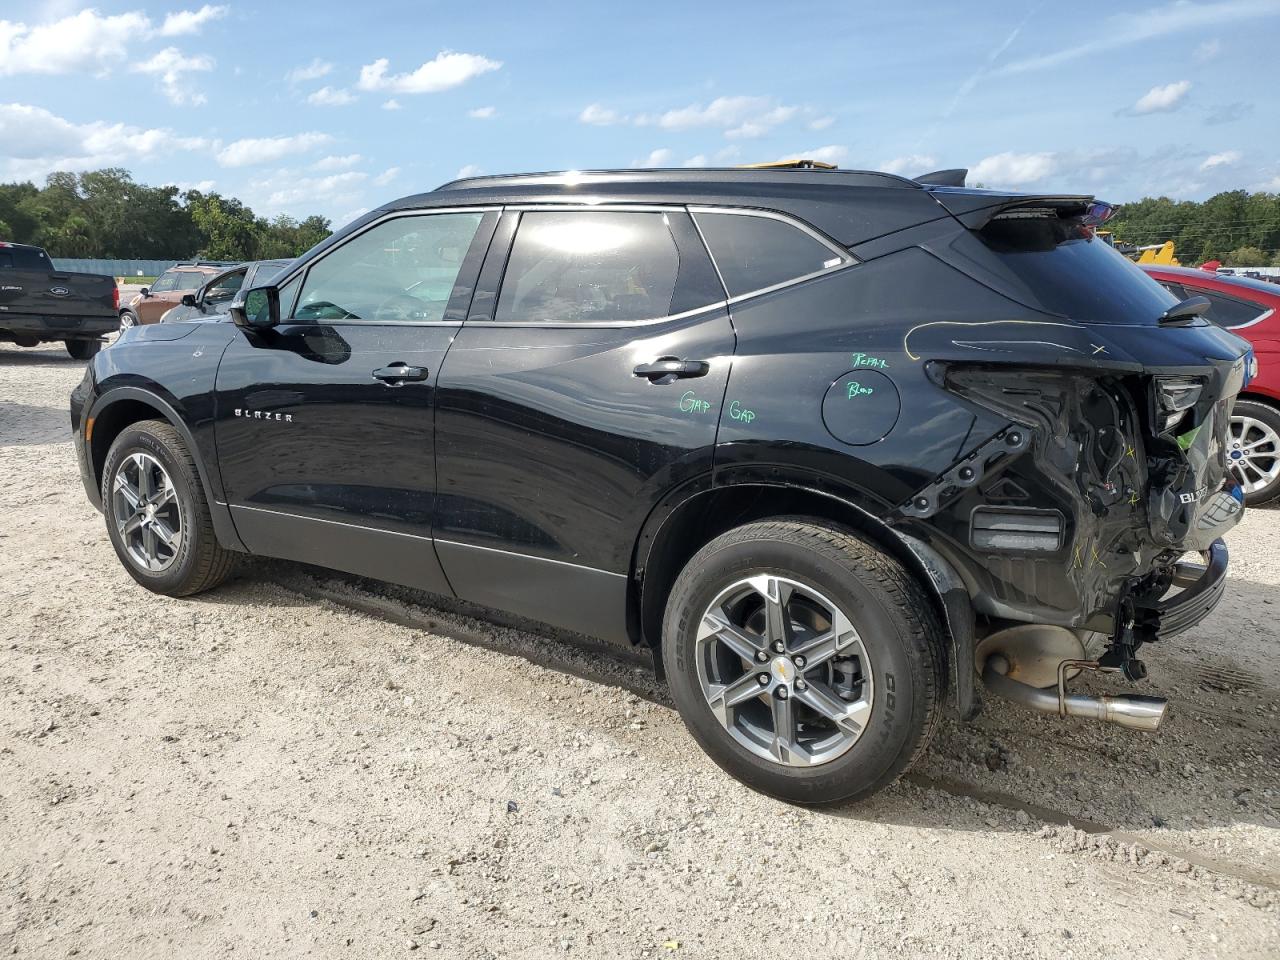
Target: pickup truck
<point>39,303</point>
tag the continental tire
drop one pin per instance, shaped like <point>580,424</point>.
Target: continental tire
<point>798,626</point>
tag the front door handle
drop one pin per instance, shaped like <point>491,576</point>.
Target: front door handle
<point>668,369</point>
<point>398,373</point>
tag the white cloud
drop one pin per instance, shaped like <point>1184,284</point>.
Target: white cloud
<point>470,170</point>
<point>482,113</point>
<point>200,186</point>
<point>1207,51</point>
<point>84,41</point>
<point>314,70</point>
<point>337,163</point>
<point>1125,29</point>
<point>186,22</point>
<point>1164,98</point>
<point>331,97</point>
<point>327,190</point>
<point>386,176</point>
<point>349,216</point>
<point>913,164</point>
<point>697,160</point>
<point>170,65</point>
<point>657,158</point>
<point>89,41</point>
<point>1224,159</point>
<point>832,153</point>
<point>446,71</point>
<point>392,104</point>
<point>738,116</point>
<point>821,123</point>
<point>244,153</point>
<point>599,116</point>
<point>1012,169</point>
<point>36,142</point>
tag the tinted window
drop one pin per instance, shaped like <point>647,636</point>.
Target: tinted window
<point>755,252</point>
<point>590,267</point>
<point>1073,273</point>
<point>189,280</point>
<point>166,281</point>
<point>224,288</point>
<point>403,269</point>
<point>16,258</point>
<point>1175,288</point>
<point>1228,311</point>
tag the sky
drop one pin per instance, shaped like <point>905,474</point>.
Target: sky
<point>336,108</point>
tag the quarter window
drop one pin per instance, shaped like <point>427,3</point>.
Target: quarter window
<point>401,270</point>
<point>1228,311</point>
<point>589,267</point>
<point>754,252</point>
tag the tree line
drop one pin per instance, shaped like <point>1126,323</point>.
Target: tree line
<point>105,214</point>
<point>1239,228</point>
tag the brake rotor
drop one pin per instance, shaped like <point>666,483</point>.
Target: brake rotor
<point>1033,652</point>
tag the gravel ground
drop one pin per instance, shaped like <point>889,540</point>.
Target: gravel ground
<point>299,764</point>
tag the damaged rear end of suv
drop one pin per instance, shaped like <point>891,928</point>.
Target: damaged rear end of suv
<point>1088,520</point>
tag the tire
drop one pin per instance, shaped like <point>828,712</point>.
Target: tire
<point>899,642</point>
<point>1255,424</point>
<point>83,349</point>
<point>197,562</point>
<point>128,319</point>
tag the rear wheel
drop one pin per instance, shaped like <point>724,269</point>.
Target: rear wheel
<point>803,660</point>
<point>128,319</point>
<point>83,349</point>
<point>1253,450</point>
<point>157,515</point>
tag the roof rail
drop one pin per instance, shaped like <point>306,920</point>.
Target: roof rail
<point>799,164</point>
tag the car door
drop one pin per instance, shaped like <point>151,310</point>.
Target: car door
<point>574,397</point>
<point>324,423</point>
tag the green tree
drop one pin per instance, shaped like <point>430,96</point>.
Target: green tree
<point>228,228</point>
<point>1246,257</point>
<point>1275,261</point>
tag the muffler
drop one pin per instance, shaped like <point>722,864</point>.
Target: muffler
<point>1129,710</point>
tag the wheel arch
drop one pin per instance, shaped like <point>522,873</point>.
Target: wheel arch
<point>697,513</point>
<point>120,408</point>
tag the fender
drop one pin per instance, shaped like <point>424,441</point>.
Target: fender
<point>847,505</point>
<point>220,514</point>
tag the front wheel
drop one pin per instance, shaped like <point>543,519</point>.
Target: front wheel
<point>83,349</point>
<point>1253,450</point>
<point>128,319</point>
<point>806,662</point>
<point>157,515</point>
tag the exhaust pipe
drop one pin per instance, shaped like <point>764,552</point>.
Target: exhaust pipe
<point>1133,711</point>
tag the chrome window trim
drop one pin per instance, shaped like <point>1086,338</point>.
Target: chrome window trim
<point>1258,319</point>
<point>847,258</point>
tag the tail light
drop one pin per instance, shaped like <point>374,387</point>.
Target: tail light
<point>115,298</point>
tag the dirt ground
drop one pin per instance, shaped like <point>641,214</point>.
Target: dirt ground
<point>299,765</point>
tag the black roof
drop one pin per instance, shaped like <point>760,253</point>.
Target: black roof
<point>850,205</point>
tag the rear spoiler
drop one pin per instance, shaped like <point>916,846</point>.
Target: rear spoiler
<point>976,208</point>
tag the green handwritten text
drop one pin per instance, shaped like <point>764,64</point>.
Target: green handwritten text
<point>858,390</point>
<point>738,412</point>
<point>866,360</point>
<point>689,403</point>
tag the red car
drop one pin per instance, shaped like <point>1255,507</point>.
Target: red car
<point>1250,309</point>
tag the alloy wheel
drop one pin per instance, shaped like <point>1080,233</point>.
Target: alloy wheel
<point>1253,453</point>
<point>784,671</point>
<point>127,320</point>
<point>147,513</point>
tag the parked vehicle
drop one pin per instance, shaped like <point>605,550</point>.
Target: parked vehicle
<point>213,299</point>
<point>833,445</point>
<point>1251,309</point>
<point>151,303</point>
<point>39,303</point>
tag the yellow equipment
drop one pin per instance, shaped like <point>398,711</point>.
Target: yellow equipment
<point>1159,253</point>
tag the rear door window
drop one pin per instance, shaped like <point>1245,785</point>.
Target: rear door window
<point>15,258</point>
<point>754,251</point>
<point>590,266</point>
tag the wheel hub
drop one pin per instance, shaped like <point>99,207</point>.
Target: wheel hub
<point>784,671</point>
<point>1255,453</point>
<point>147,512</point>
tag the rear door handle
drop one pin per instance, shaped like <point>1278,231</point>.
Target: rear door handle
<point>669,368</point>
<point>398,373</point>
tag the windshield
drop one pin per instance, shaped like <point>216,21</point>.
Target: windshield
<point>1073,273</point>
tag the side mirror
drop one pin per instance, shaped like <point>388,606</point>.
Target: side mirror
<point>145,291</point>
<point>259,309</point>
<point>188,299</point>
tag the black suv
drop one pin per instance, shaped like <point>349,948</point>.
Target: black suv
<point>834,445</point>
